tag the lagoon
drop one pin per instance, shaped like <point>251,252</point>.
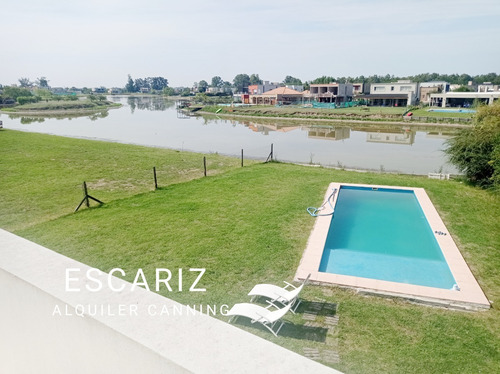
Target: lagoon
<point>154,121</point>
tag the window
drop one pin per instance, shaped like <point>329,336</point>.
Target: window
<point>405,88</point>
<point>379,88</point>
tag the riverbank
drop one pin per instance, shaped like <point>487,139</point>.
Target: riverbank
<point>58,108</point>
<point>367,122</point>
<point>380,115</point>
<point>248,225</point>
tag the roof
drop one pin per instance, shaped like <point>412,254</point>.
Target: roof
<point>282,91</point>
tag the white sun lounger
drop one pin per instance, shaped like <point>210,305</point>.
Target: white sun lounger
<point>283,295</point>
<point>265,316</point>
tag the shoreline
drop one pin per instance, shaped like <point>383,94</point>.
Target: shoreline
<point>59,112</point>
<point>371,122</point>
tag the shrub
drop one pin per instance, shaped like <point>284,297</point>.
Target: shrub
<point>476,151</point>
<point>27,99</point>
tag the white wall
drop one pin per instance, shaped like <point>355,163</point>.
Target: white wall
<point>34,339</point>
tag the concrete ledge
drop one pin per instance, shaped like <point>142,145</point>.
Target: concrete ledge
<point>35,339</point>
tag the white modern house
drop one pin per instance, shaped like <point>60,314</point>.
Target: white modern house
<point>400,93</point>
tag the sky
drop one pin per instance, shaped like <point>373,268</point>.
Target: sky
<point>99,42</point>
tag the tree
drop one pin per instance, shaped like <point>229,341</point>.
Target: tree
<point>476,151</point>
<point>168,91</point>
<point>289,80</point>
<point>25,82</point>
<point>217,82</point>
<point>15,92</point>
<point>241,82</point>
<point>202,86</point>
<point>463,89</point>
<point>157,83</point>
<point>140,83</point>
<point>42,82</point>
<point>130,87</point>
<point>255,79</point>
<point>323,80</point>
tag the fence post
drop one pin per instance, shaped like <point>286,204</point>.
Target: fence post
<point>156,181</point>
<point>271,155</point>
<point>242,157</point>
<point>86,198</point>
<point>204,166</point>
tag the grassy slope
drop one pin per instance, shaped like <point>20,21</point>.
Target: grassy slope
<point>354,113</point>
<point>424,112</point>
<point>42,174</point>
<point>61,105</point>
<point>249,225</point>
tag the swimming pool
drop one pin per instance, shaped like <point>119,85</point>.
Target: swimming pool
<point>391,241</point>
<point>382,233</point>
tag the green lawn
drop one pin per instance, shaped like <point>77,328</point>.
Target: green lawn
<point>354,113</point>
<point>245,226</point>
<point>42,175</point>
<point>424,112</point>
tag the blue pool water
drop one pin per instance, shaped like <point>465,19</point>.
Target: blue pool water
<point>383,234</point>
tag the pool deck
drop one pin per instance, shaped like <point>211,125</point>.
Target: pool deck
<point>469,297</point>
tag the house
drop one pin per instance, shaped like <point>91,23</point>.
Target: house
<point>400,93</point>
<point>99,90</point>
<point>428,88</point>
<point>296,87</point>
<point>488,87</point>
<point>115,91</point>
<point>280,95</point>
<point>360,88</point>
<point>463,99</point>
<point>331,92</point>
<point>257,89</point>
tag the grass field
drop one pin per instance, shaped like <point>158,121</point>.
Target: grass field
<point>245,226</point>
<point>42,175</point>
<point>424,112</point>
<point>54,106</point>
<point>355,113</point>
<point>361,113</point>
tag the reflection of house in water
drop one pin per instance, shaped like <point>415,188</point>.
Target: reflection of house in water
<point>328,133</point>
<point>406,137</point>
<point>266,128</point>
<point>440,134</point>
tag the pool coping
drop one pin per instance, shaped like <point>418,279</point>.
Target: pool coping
<point>469,297</point>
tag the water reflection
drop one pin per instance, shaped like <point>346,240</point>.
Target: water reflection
<point>26,120</point>
<point>154,121</point>
<point>152,103</point>
<point>389,134</point>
